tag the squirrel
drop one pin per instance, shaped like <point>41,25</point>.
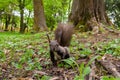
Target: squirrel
<point>59,47</point>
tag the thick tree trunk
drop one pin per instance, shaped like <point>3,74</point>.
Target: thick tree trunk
<point>39,17</point>
<point>90,13</point>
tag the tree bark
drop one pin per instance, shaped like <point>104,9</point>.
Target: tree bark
<point>21,21</point>
<point>21,6</point>
<point>90,13</point>
<point>39,17</point>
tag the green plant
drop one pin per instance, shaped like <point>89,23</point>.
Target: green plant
<point>85,52</point>
<point>45,77</point>
<point>70,63</point>
<point>111,47</point>
<point>109,78</point>
<point>26,57</point>
<point>84,69</point>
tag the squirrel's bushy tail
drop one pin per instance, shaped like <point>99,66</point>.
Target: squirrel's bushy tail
<point>63,34</point>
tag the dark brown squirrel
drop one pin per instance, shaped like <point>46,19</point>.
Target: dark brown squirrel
<point>59,47</point>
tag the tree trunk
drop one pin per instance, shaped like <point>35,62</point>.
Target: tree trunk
<point>7,21</point>
<point>28,17</point>
<point>21,21</point>
<point>90,13</point>
<point>39,17</point>
<point>13,23</point>
<point>21,6</point>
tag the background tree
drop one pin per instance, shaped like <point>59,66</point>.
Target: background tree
<point>113,10</point>
<point>56,13</point>
<point>29,14</point>
<point>22,5</point>
<point>89,13</point>
<point>14,8</point>
<point>53,13</point>
<point>5,13</point>
<point>39,17</point>
<point>13,23</point>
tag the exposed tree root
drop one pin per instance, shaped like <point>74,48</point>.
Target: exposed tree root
<point>109,66</point>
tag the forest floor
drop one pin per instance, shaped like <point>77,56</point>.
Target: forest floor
<point>26,57</point>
